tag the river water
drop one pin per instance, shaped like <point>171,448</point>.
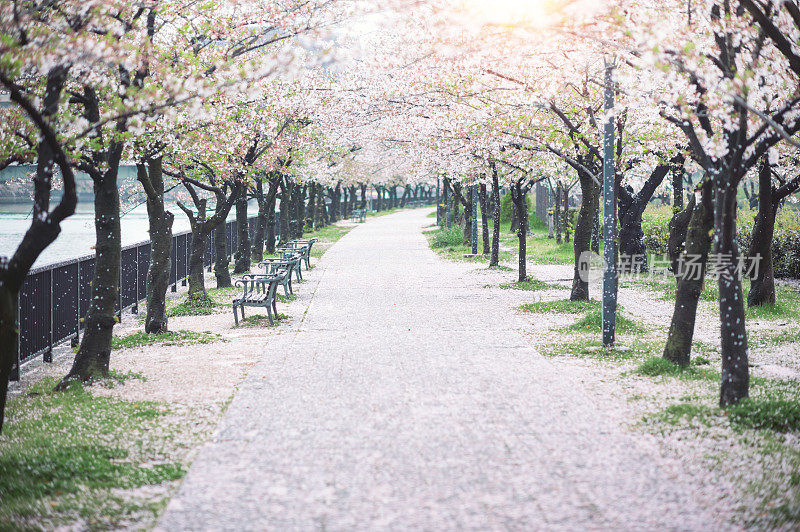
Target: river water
<point>77,236</point>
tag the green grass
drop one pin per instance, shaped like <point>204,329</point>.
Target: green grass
<point>775,411</point>
<point>283,298</point>
<point>201,304</point>
<point>384,212</point>
<point>261,320</point>
<point>117,377</point>
<point>544,250</point>
<point>326,235</point>
<point>141,339</point>
<point>593,348</point>
<point>787,298</point>
<point>787,305</point>
<point>447,238</point>
<point>659,366</point>
<point>531,284</point>
<point>562,306</point>
<point>683,413</point>
<point>223,296</point>
<point>449,243</point>
<point>593,322</point>
<point>62,455</point>
<point>787,335</point>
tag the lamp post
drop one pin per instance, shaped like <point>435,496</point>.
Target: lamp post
<point>609,216</point>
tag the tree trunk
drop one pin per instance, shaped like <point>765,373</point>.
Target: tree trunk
<point>518,198</point>
<point>260,234</point>
<point>311,210</point>
<point>94,353</point>
<point>336,194</point>
<point>466,220</point>
<point>484,219</point>
<point>221,272</point>
<point>677,186</point>
<point>271,197</point>
<point>9,335</point>
<point>494,260</point>
<point>298,210</point>
<point>44,229</point>
<point>284,212</point>
<point>587,217</point>
<point>735,371</point>
<point>196,253</point>
<point>567,220</point>
<point>257,249</point>
<point>160,222</point>
<point>242,263</point>
<point>455,201</point>
<point>678,228</point>
<point>631,207</point>
<point>762,286</point>
<point>690,269</point>
<point>323,207</point>
<point>557,212</point>
<point>597,235</point>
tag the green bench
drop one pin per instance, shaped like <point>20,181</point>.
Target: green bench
<point>358,215</point>
<point>257,291</point>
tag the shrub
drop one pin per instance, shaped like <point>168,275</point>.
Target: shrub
<point>506,207</point>
<point>445,238</point>
<point>655,224</point>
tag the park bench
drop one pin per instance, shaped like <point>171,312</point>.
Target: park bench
<point>358,215</point>
<point>283,266</point>
<point>301,246</point>
<point>257,291</point>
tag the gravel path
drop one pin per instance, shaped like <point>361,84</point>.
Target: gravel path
<point>409,398</point>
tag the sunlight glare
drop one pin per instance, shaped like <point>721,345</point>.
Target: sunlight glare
<point>510,12</point>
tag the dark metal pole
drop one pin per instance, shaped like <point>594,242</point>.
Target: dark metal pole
<point>609,217</point>
<point>474,188</point>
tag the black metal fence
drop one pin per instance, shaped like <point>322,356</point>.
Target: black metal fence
<point>54,298</point>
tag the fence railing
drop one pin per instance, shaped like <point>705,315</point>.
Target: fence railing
<point>55,297</point>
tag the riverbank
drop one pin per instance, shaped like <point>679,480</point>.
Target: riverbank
<point>110,455</point>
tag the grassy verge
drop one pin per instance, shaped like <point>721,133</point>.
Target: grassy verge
<point>142,339</point>
<point>201,304</point>
<point>562,306</point>
<point>262,320</point>
<point>326,236</point>
<point>543,250</point>
<point>74,459</point>
<point>592,322</point>
<point>531,285</point>
<point>449,243</point>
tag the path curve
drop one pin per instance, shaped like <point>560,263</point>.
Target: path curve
<point>408,399</point>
